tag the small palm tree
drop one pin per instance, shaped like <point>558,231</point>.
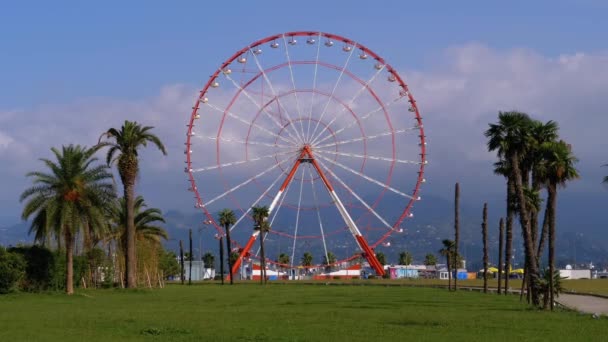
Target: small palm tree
<point>260,215</point>
<point>429,260</point>
<point>227,219</point>
<point>306,259</point>
<point>405,258</point>
<point>484,234</point>
<point>330,259</point>
<point>126,142</point>
<point>447,251</point>
<point>456,227</point>
<point>73,193</point>
<point>546,282</point>
<point>605,180</point>
<point>283,259</point>
<point>381,258</point>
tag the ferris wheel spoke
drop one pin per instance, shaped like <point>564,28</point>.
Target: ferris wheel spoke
<point>367,115</point>
<point>367,206</point>
<point>314,87</point>
<point>244,142</point>
<point>238,118</point>
<point>314,131</point>
<point>314,195</point>
<point>368,178</point>
<point>255,103</point>
<point>350,103</point>
<point>233,189</point>
<point>295,235</point>
<point>361,156</point>
<point>265,193</point>
<point>293,83</point>
<point>274,93</point>
<point>369,137</point>
<point>240,162</point>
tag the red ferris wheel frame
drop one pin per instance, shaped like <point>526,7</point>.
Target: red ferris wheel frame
<point>306,154</point>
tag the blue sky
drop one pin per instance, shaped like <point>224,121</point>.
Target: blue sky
<point>88,65</point>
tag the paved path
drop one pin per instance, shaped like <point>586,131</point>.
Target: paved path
<point>588,304</point>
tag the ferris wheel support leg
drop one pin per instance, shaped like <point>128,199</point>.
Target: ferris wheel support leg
<point>239,260</point>
<point>273,204</point>
<point>352,226</point>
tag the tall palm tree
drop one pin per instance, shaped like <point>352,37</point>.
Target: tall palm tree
<point>560,169</point>
<point>126,142</point>
<point>484,234</point>
<point>541,133</point>
<point>227,219</point>
<point>75,191</point>
<point>447,251</point>
<point>456,227</point>
<point>510,137</point>
<point>260,215</point>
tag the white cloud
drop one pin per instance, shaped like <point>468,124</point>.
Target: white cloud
<point>458,97</point>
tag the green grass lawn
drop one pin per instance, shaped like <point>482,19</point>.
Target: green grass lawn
<point>250,312</point>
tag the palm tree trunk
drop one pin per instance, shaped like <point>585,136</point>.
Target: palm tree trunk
<point>263,259</point>
<point>456,229</point>
<point>509,231</point>
<point>525,224</point>
<point>190,258</point>
<point>501,232</point>
<point>181,261</point>
<point>229,249</point>
<point>484,233</point>
<point>544,232</point>
<point>69,262</point>
<point>131,253</point>
<point>552,200</point>
<point>449,272</point>
<point>221,240</point>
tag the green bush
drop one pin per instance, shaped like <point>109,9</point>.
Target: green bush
<point>12,270</point>
<point>39,270</point>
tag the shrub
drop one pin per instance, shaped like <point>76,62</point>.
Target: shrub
<point>12,270</point>
<point>40,267</point>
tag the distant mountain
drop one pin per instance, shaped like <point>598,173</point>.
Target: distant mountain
<point>581,238</point>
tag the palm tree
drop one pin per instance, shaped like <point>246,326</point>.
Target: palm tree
<point>484,234</point>
<point>227,219</point>
<point>209,260</point>
<point>127,141</point>
<point>430,259</point>
<point>560,169</point>
<point>541,133</point>
<point>330,259</point>
<point>405,258</point>
<point>146,220</point>
<point>72,193</point>
<point>447,251</point>
<point>147,229</point>
<point>381,258</point>
<point>501,233</point>
<point>502,168</point>
<point>306,259</point>
<point>546,281</point>
<point>605,180</point>
<point>510,138</point>
<point>456,227</point>
<point>260,215</point>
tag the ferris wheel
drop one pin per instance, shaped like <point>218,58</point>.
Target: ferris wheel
<point>322,131</point>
